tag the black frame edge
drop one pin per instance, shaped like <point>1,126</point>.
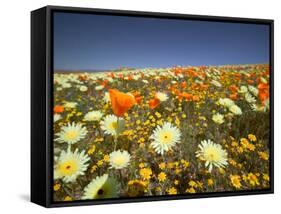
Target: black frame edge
<point>38,153</point>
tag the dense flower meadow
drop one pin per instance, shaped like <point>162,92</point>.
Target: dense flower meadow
<point>149,132</point>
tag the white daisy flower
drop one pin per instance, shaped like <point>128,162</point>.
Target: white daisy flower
<point>101,187</point>
<point>93,116</point>
<point>72,133</point>
<point>213,154</point>
<point>165,137</point>
<point>216,83</point>
<point>57,117</point>
<point>69,165</point>
<point>226,102</point>
<point>261,108</point>
<point>83,88</point>
<point>119,159</point>
<point>106,97</point>
<point>253,90</point>
<point>249,98</point>
<point>110,124</point>
<point>99,87</point>
<point>243,89</point>
<point>161,96</point>
<point>218,118</point>
<point>235,109</point>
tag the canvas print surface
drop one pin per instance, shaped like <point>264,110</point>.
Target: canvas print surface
<point>148,107</point>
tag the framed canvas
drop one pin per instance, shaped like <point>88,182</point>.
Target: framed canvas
<point>141,106</point>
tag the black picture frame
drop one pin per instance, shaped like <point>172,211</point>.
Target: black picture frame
<point>42,104</point>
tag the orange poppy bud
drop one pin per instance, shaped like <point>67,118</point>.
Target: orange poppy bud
<point>153,103</point>
<point>121,102</point>
<point>58,109</point>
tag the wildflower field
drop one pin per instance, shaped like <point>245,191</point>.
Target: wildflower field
<point>166,131</point>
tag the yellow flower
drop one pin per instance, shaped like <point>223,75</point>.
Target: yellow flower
<point>235,181</point>
<point>176,182</point>
<point>170,165</point>
<point>91,150</point>
<point>106,158</point>
<point>234,143</point>
<point>253,180</point>
<point>265,177</point>
<point>100,163</point>
<point>57,187</point>
<point>240,149</point>
<point>162,176</point>
<point>136,188</point>
<point>185,164</point>
<point>251,147</point>
<point>192,183</point>
<point>141,165</point>
<point>157,114</point>
<point>263,155</point>
<point>210,182</point>
<point>190,190</point>
<point>244,142</point>
<point>67,198</point>
<point>94,168</point>
<point>172,191</point>
<point>145,173</point>
<point>252,137</point>
<point>162,165</point>
<point>232,162</point>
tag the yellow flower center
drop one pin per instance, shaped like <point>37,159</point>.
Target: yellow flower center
<point>212,155</point>
<point>68,167</point>
<point>119,160</point>
<point>71,135</point>
<point>166,137</point>
<point>113,125</point>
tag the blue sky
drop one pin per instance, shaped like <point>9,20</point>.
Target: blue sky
<point>93,42</point>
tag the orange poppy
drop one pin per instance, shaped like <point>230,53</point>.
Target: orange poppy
<point>153,103</point>
<point>263,86</point>
<point>121,102</point>
<point>82,77</point>
<point>250,81</point>
<point>58,109</point>
<point>233,96</point>
<point>184,84</point>
<point>233,88</point>
<point>195,98</point>
<point>263,96</point>
<point>187,96</point>
<point>263,92</point>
